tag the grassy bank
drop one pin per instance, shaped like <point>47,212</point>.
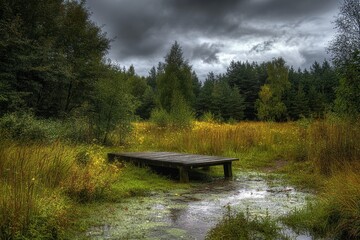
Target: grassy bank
<point>43,183</point>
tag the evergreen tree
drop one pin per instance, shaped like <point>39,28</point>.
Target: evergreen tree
<point>175,80</point>
<point>247,78</point>
<point>204,100</point>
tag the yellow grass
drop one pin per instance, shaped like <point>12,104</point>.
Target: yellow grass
<point>35,182</point>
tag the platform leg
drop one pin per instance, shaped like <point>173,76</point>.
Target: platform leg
<point>228,170</point>
<point>184,174</point>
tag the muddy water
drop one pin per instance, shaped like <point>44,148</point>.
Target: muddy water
<point>189,214</point>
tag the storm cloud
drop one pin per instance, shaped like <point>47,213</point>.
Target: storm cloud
<point>213,33</point>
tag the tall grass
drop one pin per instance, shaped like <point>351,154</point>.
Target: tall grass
<point>328,145</point>
<point>213,138</point>
<point>29,175</point>
<point>336,213</point>
<point>37,183</point>
<point>333,145</point>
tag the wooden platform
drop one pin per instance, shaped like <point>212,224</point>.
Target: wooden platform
<point>181,161</point>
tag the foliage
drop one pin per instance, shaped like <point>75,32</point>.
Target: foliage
<point>53,56</point>
<point>113,106</point>
<point>160,117</point>
<point>220,99</point>
<point>25,127</point>
<point>348,93</point>
<point>90,179</point>
<point>333,144</point>
<point>36,182</point>
<point>347,40</point>
<point>240,226</point>
<point>270,105</point>
<point>248,78</point>
<point>336,213</point>
<point>176,79</point>
<point>181,115</point>
<point>345,52</point>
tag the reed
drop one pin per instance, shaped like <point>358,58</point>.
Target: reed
<point>213,138</point>
<point>29,174</point>
<point>36,181</point>
<point>333,144</point>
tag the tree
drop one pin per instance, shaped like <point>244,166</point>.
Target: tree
<point>345,49</point>
<point>52,55</point>
<point>113,105</point>
<point>175,80</point>
<point>348,93</point>
<point>270,104</point>
<point>248,78</point>
<point>204,100</point>
<point>347,40</point>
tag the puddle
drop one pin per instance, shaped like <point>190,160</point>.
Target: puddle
<point>190,214</point>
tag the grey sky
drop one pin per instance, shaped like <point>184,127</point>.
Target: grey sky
<point>212,33</point>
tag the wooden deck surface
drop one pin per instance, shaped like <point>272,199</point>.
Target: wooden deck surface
<point>182,161</point>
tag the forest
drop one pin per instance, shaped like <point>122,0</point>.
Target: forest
<point>63,105</point>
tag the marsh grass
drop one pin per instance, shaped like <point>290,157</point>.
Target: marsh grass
<point>238,225</point>
<point>41,183</point>
<point>38,186</point>
<point>336,213</point>
<point>333,145</point>
<point>319,155</point>
<point>30,174</point>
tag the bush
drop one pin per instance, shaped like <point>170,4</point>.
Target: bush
<point>160,117</point>
<point>240,226</point>
<point>90,177</point>
<point>25,127</point>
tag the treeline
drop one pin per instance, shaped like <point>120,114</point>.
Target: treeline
<point>269,91</point>
<point>53,66</point>
<point>246,91</point>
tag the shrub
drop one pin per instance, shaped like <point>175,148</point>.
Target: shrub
<point>240,226</point>
<point>160,117</point>
<point>90,177</point>
<point>25,127</point>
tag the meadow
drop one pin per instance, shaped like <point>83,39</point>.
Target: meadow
<point>45,184</point>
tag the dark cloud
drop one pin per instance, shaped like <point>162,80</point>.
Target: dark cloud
<point>287,10</point>
<point>146,29</point>
<point>207,52</point>
<point>263,47</point>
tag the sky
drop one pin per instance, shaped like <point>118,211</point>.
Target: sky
<point>212,33</point>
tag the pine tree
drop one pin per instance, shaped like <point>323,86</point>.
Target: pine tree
<point>175,80</point>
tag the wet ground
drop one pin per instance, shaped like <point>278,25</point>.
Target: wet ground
<point>189,214</point>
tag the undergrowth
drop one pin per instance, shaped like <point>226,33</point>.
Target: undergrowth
<point>238,225</point>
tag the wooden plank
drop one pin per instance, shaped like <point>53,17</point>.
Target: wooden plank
<point>181,161</point>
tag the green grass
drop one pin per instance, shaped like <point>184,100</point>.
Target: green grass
<point>134,181</point>
<point>336,212</point>
<point>240,226</point>
<point>41,184</point>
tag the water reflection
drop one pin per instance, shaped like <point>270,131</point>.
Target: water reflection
<point>189,215</point>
